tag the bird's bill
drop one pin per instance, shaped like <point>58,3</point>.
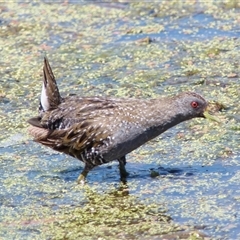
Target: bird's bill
<point>207,115</point>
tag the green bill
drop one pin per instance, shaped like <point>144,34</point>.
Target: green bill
<point>207,115</point>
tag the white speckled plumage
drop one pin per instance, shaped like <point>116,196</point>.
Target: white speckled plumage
<point>97,130</point>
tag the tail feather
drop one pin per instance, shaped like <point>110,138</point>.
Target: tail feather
<point>50,96</point>
<point>50,138</point>
<point>36,121</point>
<point>39,134</point>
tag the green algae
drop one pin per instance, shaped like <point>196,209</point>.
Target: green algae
<point>103,214</point>
<point>91,55</point>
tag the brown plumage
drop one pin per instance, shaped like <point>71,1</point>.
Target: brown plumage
<point>97,130</point>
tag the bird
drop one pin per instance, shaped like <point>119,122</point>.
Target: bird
<point>98,130</point>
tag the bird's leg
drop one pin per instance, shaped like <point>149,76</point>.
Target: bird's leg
<point>122,169</point>
<point>82,177</point>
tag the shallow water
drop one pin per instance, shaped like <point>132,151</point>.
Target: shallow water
<point>184,183</point>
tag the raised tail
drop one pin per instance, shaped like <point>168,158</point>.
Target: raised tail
<point>50,96</point>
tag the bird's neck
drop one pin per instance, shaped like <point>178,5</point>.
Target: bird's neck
<point>163,115</point>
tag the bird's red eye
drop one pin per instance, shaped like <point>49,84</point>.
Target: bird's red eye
<point>194,104</point>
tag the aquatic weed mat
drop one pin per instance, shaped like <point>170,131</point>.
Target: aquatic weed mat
<point>190,173</point>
